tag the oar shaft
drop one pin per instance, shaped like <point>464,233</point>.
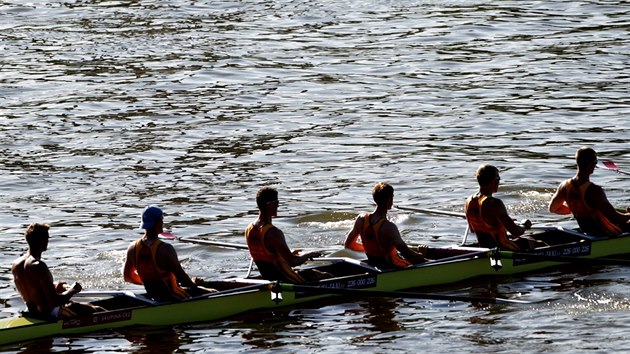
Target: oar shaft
<point>398,294</point>
<point>565,259</point>
<point>433,211</point>
<point>214,243</point>
<point>485,253</point>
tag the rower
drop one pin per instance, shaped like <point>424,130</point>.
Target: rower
<point>587,201</point>
<point>380,238</point>
<point>44,298</point>
<point>154,264</point>
<point>269,249</point>
<point>488,218</point>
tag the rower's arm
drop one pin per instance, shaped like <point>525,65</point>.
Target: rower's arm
<point>502,216</point>
<point>65,296</point>
<point>557,204</point>
<point>43,283</point>
<point>598,198</point>
<point>129,271</point>
<point>391,231</point>
<point>168,255</point>
<point>352,238</point>
<point>275,242</point>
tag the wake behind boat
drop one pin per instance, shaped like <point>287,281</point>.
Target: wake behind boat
<point>352,277</point>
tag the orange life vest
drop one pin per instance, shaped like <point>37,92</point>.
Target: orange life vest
<point>270,265</point>
<point>378,255</point>
<point>591,221</point>
<point>487,235</point>
<point>160,284</point>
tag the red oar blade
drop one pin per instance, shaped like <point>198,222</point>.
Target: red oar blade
<point>611,165</point>
<point>168,235</point>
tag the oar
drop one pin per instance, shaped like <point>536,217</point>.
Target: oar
<point>104,293</point>
<point>170,236</point>
<point>465,235</point>
<point>439,212</point>
<point>484,253</point>
<point>429,211</point>
<point>433,211</point>
<point>221,244</point>
<point>214,243</point>
<point>401,294</point>
<point>567,259</point>
<point>609,165</point>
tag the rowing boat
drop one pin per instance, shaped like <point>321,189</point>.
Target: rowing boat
<point>239,295</point>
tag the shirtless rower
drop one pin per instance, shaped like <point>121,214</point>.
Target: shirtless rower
<point>43,297</point>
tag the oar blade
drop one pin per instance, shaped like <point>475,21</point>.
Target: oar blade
<point>168,235</point>
<point>611,165</point>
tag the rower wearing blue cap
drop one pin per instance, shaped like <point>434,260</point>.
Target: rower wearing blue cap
<point>154,263</point>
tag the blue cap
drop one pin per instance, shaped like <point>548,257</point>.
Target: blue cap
<point>150,216</point>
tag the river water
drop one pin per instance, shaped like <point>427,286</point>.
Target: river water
<point>109,106</point>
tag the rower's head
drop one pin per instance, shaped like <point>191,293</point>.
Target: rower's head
<point>487,174</point>
<point>151,217</point>
<point>36,236</point>
<point>265,197</point>
<point>586,158</point>
<point>382,193</point>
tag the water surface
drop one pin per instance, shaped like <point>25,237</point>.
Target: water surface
<point>108,106</point>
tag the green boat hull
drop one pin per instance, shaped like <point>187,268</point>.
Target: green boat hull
<point>455,264</point>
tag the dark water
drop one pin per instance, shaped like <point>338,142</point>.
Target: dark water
<point>108,106</point>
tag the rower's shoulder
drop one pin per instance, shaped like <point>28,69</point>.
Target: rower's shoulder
<point>274,232</point>
<point>595,187</point>
<point>361,218</point>
<point>566,183</point>
<point>596,194</point>
<point>18,261</point>
<point>389,227</point>
<point>33,265</point>
<point>492,202</point>
<point>357,225</point>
